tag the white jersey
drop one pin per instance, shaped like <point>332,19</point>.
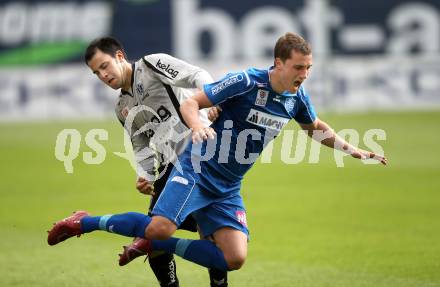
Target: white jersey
<point>149,110</point>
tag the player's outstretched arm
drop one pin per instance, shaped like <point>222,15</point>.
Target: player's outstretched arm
<point>322,132</point>
<point>190,113</point>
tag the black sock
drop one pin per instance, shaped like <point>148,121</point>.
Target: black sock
<point>218,278</point>
<point>164,267</point>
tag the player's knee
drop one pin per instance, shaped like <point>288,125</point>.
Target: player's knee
<point>235,261</point>
<point>160,230</point>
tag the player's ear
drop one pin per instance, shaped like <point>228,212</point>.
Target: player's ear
<point>277,62</point>
<point>119,56</point>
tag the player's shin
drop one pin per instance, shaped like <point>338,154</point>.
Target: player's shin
<point>218,278</point>
<point>202,252</point>
<point>164,268</point>
<point>131,224</point>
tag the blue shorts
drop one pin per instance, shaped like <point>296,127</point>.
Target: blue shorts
<point>183,195</point>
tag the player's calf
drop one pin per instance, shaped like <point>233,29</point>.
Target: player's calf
<point>130,224</point>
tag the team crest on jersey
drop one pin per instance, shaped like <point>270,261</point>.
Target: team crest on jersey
<point>241,217</point>
<point>289,104</point>
<point>262,96</point>
<point>266,120</point>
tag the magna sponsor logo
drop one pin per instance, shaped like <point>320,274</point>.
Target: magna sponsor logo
<point>167,68</point>
<point>226,83</point>
<point>265,120</point>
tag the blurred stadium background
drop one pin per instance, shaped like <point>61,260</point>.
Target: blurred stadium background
<point>376,65</point>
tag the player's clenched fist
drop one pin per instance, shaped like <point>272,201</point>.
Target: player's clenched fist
<point>144,186</point>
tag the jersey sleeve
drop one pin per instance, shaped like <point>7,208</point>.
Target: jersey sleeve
<point>306,112</point>
<point>176,72</point>
<point>203,113</point>
<point>232,85</point>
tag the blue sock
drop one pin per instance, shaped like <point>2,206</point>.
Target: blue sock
<point>202,252</point>
<point>131,224</point>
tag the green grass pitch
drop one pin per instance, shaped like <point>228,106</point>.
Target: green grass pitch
<point>311,224</point>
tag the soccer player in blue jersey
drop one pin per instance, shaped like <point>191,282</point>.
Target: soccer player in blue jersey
<point>256,104</point>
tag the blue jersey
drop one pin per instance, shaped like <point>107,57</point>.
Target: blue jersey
<point>252,115</point>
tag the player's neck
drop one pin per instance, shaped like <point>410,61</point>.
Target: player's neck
<point>127,71</point>
<point>275,82</point>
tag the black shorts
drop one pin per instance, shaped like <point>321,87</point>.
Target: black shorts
<point>189,223</point>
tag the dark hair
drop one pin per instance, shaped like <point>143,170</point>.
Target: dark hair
<point>289,42</point>
<point>107,45</point>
